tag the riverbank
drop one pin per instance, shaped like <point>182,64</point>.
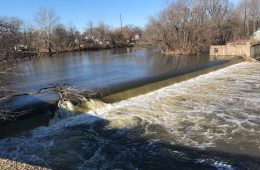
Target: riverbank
<point>178,52</point>
<point>78,49</point>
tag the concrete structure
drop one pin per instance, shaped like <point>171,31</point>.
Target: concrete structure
<point>244,48</point>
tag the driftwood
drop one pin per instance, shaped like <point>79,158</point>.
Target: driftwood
<point>67,94</point>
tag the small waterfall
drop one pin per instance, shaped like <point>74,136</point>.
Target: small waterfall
<point>210,121</point>
<point>67,109</point>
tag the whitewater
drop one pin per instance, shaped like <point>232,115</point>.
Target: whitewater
<point>208,122</point>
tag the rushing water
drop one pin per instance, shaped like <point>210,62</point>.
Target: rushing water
<point>208,122</point>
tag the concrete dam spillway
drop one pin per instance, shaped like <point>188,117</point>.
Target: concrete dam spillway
<point>208,122</point>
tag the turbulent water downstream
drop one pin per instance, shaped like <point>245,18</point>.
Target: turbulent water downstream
<point>208,122</point>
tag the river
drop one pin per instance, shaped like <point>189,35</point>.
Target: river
<point>98,69</point>
<point>208,122</point>
<point>109,70</point>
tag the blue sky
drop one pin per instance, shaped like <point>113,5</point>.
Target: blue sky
<point>79,12</point>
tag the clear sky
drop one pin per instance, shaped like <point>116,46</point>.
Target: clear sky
<point>79,12</point>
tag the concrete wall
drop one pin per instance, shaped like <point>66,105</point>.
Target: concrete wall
<point>230,50</point>
<point>255,51</point>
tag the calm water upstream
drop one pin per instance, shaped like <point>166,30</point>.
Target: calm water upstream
<point>98,69</point>
<point>104,69</point>
<point>208,122</point>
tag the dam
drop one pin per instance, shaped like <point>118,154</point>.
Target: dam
<point>208,122</point>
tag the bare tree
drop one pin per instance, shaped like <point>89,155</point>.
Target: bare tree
<point>248,12</point>
<point>72,36</point>
<point>254,13</point>
<point>188,26</point>
<point>10,36</point>
<point>60,36</point>
<point>46,20</point>
<point>90,27</point>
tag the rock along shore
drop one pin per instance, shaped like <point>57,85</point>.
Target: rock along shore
<point>6,164</point>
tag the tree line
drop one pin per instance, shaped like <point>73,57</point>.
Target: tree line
<point>184,26</point>
<point>47,33</point>
<point>191,26</point>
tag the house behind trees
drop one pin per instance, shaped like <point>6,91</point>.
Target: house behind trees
<point>189,26</point>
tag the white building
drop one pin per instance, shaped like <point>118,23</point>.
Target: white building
<point>257,35</point>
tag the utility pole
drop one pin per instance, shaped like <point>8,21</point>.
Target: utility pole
<point>121,37</point>
<point>121,22</point>
<point>121,27</point>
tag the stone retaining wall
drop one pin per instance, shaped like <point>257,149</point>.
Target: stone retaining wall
<point>231,50</point>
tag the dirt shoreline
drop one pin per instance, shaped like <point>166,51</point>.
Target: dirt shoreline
<point>177,52</point>
<point>79,49</point>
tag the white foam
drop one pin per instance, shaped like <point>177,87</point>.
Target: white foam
<point>222,166</point>
<point>200,112</point>
<point>214,89</point>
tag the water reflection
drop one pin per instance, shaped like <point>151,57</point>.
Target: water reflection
<point>94,69</point>
<point>178,62</point>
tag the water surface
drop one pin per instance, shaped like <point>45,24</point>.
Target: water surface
<point>208,122</point>
<point>98,69</point>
